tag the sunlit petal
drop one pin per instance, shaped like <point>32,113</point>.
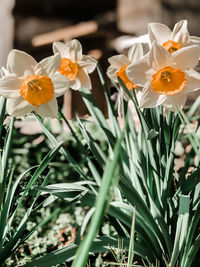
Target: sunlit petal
<point>76,84</point>
<point>61,84</point>
<point>159,57</point>
<point>111,72</point>
<point>135,52</point>
<point>149,98</point>
<point>75,50</point>
<point>118,61</point>
<point>187,57</point>
<point>180,33</point>
<point>60,47</point>
<point>171,102</point>
<point>84,78</point>
<point>159,32</point>
<point>20,62</point>
<point>10,85</point>
<point>88,63</point>
<point>48,110</point>
<point>193,81</point>
<point>139,72</point>
<point>49,65</point>
<point>18,107</point>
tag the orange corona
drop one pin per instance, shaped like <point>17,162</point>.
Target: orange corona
<point>122,74</point>
<point>37,90</point>
<point>68,68</point>
<point>171,46</point>
<point>168,81</point>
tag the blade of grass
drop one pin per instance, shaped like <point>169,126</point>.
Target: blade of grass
<point>97,115</point>
<point>111,113</point>
<point>4,163</point>
<point>2,112</point>
<point>181,229</point>
<point>35,176</point>
<point>100,205</point>
<point>7,206</point>
<point>191,136</point>
<point>193,252</point>
<point>64,152</point>
<point>131,244</point>
<point>83,150</point>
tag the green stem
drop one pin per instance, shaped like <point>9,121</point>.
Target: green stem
<point>131,244</point>
<point>4,163</point>
<point>2,112</point>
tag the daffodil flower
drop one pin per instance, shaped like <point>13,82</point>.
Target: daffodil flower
<point>31,86</point>
<point>166,78</point>
<point>172,40</point>
<point>74,65</point>
<point>119,64</point>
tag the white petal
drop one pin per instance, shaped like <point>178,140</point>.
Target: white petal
<point>135,53</point>
<point>149,98</point>
<point>20,62</point>
<point>18,107</point>
<point>4,72</point>
<point>49,65</point>
<point>76,84</point>
<point>75,50</point>
<point>178,100</point>
<point>48,110</point>
<point>118,61</point>
<point>139,72</point>
<point>59,47</point>
<point>88,63</point>
<point>138,92</point>
<point>180,33</point>
<point>193,81</point>
<point>111,72</point>
<point>84,78</point>
<point>61,84</point>
<point>194,40</point>
<point>159,32</point>
<point>10,85</point>
<point>186,57</point>
<point>159,57</point>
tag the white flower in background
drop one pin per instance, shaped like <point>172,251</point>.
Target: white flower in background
<point>74,65</point>
<point>166,78</point>
<point>31,86</point>
<point>119,64</point>
<point>172,40</point>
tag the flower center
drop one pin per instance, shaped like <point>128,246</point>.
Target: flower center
<point>168,81</point>
<point>68,68</point>
<point>171,46</point>
<point>122,74</point>
<point>37,90</point>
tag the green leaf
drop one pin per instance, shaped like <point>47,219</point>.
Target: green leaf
<point>181,228</point>
<point>152,134</point>
<point>64,152</point>
<point>67,191</point>
<point>131,244</point>
<point>2,112</point>
<point>67,254</point>
<point>100,208</point>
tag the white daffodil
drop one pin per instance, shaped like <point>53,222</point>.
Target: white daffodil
<point>74,65</point>
<point>166,78</point>
<point>172,40</point>
<point>119,64</point>
<point>31,86</point>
